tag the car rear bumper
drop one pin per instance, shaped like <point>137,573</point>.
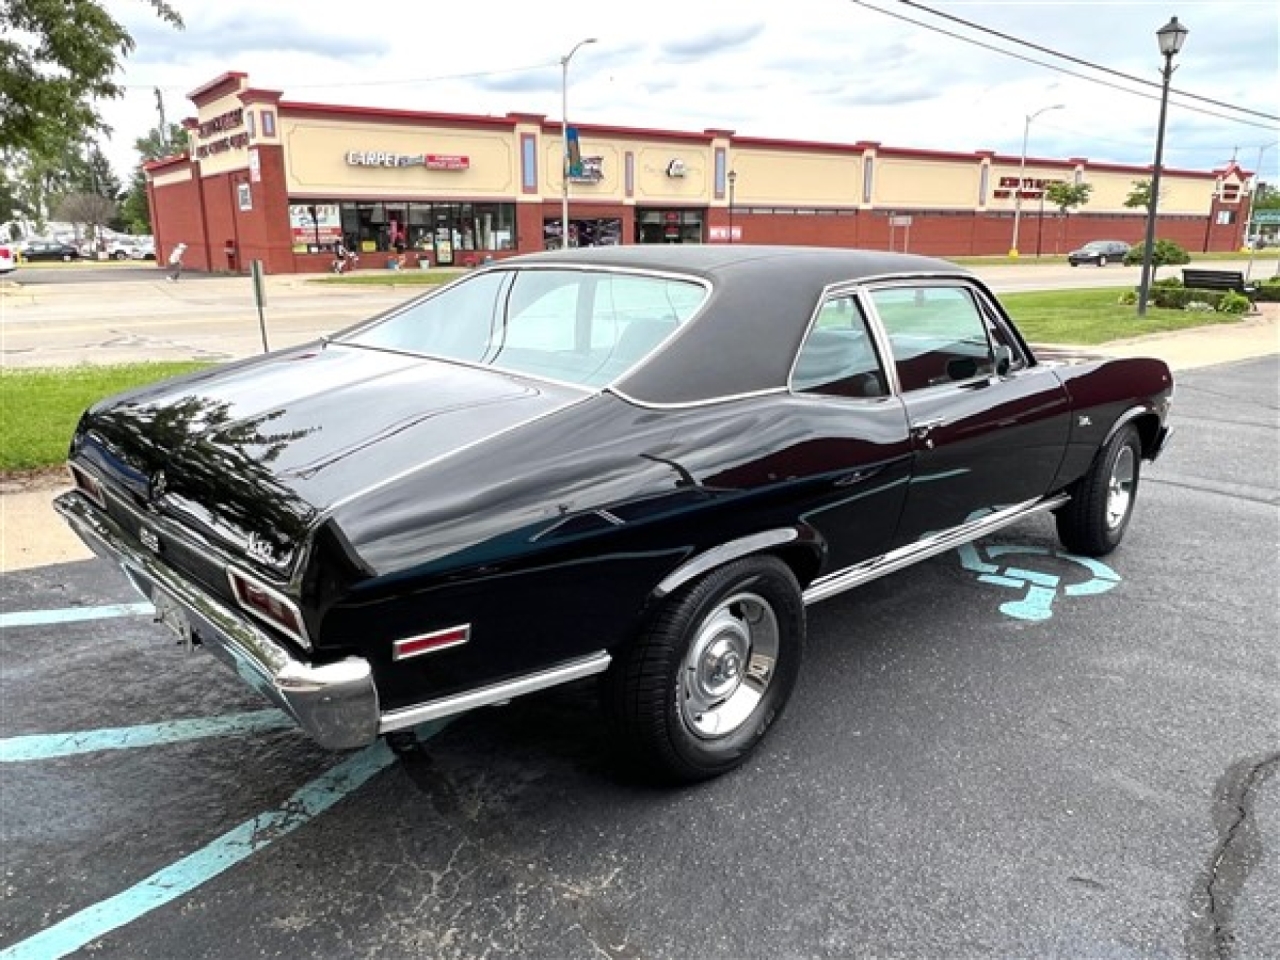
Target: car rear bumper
<point>336,704</point>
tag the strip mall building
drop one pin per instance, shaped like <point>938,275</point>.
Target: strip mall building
<point>280,181</point>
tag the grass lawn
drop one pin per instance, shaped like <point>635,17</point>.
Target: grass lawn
<point>1087,317</point>
<point>39,408</point>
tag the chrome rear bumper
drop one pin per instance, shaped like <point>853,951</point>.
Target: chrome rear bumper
<point>336,704</point>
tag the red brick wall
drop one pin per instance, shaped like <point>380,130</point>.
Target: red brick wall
<point>177,217</point>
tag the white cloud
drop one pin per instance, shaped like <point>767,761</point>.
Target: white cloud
<point>827,70</point>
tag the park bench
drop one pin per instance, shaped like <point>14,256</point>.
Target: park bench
<point>1218,280</point>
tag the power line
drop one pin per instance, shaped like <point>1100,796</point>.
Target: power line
<point>1084,63</point>
<point>1054,67</point>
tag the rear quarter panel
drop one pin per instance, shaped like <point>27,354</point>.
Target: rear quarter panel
<point>1105,393</point>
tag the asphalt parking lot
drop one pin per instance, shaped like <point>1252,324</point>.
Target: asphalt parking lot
<point>1003,752</point>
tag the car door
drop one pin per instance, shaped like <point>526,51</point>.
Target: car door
<point>857,438</point>
<point>988,426</point>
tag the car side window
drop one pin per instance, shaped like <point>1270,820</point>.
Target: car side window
<point>838,357</point>
<point>937,334</point>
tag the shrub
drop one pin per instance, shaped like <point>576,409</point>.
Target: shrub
<point>1167,282</point>
<point>1233,302</point>
<point>1269,291</point>
<point>1180,298</point>
<point>1128,298</point>
<point>1164,253</point>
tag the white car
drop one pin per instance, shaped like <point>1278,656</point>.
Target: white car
<point>143,249</point>
<point>8,258</point>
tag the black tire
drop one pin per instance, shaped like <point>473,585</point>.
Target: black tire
<point>1073,263</point>
<point>709,646</point>
<point>1093,522</point>
<point>119,255</point>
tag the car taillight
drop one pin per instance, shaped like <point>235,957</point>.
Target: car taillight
<point>87,484</point>
<point>6,252</point>
<point>268,605</point>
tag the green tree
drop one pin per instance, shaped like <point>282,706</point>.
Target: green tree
<point>1066,197</point>
<point>1139,197</point>
<point>1266,197</point>
<point>57,59</point>
<point>135,212</point>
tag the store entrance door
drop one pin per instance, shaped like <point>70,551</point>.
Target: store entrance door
<point>670,226</point>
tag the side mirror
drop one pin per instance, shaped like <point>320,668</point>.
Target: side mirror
<point>1004,360</point>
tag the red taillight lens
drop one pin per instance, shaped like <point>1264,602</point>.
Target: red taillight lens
<point>268,605</point>
<point>87,484</point>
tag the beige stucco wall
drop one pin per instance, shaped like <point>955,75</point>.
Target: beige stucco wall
<point>795,178</point>
<point>173,176</point>
<point>653,185</point>
<point>316,160</point>
<point>912,182</point>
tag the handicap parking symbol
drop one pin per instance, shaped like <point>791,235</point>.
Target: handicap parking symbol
<point>1041,589</point>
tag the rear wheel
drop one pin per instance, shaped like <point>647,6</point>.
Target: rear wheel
<point>1094,521</point>
<point>696,693</point>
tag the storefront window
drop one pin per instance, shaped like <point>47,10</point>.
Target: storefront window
<point>583,232</point>
<point>669,226</point>
<point>445,230</point>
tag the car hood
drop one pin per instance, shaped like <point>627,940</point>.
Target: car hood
<point>250,455</point>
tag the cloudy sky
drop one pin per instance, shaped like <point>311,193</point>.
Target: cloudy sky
<point>836,71</point>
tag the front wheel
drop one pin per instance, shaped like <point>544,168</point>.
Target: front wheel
<point>696,693</point>
<point>1093,522</point>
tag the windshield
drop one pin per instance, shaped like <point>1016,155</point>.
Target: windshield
<point>582,327</point>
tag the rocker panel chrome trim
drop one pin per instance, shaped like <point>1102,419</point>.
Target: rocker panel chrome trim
<point>834,583</point>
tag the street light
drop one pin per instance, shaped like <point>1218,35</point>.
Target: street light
<point>733,179</point>
<point>564,140</point>
<point>1170,37</point>
<point>1022,169</point>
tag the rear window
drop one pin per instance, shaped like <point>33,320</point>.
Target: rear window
<point>584,327</point>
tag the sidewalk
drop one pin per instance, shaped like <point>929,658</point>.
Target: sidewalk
<point>34,536</point>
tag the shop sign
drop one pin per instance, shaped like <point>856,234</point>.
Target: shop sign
<point>384,158</point>
<point>221,124</point>
<point>590,170</point>
<point>676,168</point>
<point>1031,188</point>
<point>314,225</point>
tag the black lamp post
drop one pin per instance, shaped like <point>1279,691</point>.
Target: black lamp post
<point>733,179</point>
<point>1171,37</point>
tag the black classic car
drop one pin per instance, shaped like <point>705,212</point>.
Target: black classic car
<point>637,462</point>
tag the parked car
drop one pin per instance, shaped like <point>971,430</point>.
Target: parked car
<point>634,462</point>
<point>1099,252</point>
<point>8,258</point>
<point>34,250</point>
<point>144,249</point>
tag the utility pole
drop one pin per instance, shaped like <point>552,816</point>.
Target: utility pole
<point>164,127</point>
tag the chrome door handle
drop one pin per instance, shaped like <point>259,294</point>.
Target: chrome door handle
<point>923,428</point>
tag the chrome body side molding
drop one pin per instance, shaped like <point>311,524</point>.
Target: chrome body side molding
<point>495,693</point>
<point>847,579</point>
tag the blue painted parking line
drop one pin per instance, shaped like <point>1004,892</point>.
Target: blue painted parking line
<point>42,618</point>
<point>46,746</point>
<point>190,872</point>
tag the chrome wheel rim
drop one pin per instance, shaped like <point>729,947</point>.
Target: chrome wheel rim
<point>728,666</point>
<point>1124,474</point>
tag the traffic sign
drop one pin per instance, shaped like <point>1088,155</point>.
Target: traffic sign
<point>1265,216</point>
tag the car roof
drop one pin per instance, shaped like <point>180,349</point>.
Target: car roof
<point>746,335</point>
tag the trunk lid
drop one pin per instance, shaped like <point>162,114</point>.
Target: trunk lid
<point>249,455</point>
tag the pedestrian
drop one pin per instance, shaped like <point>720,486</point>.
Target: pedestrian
<point>175,262</point>
<point>340,254</point>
